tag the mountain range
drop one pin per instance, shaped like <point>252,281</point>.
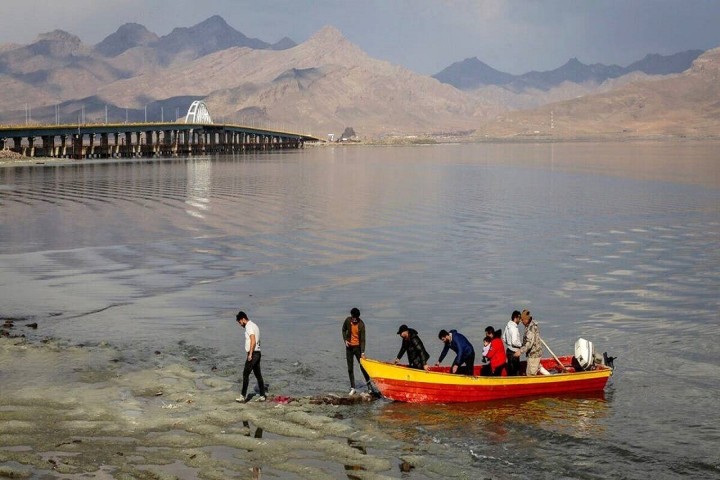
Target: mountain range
<point>326,84</point>
<point>471,73</point>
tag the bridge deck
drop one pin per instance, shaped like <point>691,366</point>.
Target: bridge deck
<point>144,139</point>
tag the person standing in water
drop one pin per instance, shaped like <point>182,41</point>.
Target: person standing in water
<point>353,333</point>
<point>252,358</point>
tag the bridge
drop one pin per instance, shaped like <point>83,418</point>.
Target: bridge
<point>197,135</point>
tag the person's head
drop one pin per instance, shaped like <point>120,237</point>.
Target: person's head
<point>403,331</point>
<point>525,317</point>
<point>444,336</point>
<point>490,332</point>
<point>355,314</point>
<point>487,340</point>
<point>241,318</point>
<point>515,317</point>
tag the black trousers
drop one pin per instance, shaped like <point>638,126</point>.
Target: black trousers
<point>513,363</point>
<point>254,367</point>
<point>350,353</point>
<point>469,367</point>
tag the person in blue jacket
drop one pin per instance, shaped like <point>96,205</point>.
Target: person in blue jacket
<point>464,362</point>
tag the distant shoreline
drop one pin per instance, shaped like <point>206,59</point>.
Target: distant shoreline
<point>12,159</point>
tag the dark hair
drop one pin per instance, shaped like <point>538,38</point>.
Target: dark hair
<point>489,331</point>
<point>355,313</point>
<point>240,315</point>
<point>498,333</point>
<point>487,339</point>
<point>514,315</point>
<point>442,334</point>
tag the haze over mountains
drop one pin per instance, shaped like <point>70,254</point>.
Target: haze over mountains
<point>327,83</point>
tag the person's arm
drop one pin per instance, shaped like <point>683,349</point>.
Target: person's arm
<point>515,338</point>
<point>402,351</point>
<point>252,347</point>
<point>443,353</point>
<point>345,331</point>
<point>361,333</point>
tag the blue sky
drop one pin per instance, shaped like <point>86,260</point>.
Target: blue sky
<point>514,36</point>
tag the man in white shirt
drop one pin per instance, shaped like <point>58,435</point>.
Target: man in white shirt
<point>513,341</point>
<point>252,359</point>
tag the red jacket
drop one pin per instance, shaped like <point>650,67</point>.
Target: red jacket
<point>496,355</point>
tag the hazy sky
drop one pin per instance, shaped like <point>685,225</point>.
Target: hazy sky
<point>426,36</point>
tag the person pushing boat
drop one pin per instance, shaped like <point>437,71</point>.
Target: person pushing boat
<point>464,362</point>
<point>411,343</point>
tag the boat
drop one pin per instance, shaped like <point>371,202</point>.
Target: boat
<point>404,384</point>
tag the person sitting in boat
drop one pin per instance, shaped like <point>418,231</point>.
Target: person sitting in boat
<point>411,343</point>
<point>496,354</point>
<point>531,345</point>
<point>464,362</point>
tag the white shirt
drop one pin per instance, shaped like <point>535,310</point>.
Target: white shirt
<point>511,336</point>
<point>252,329</point>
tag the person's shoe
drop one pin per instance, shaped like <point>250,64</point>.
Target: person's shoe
<point>241,399</point>
<point>261,398</point>
<point>352,392</point>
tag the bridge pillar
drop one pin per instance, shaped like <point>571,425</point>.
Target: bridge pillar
<point>104,146</point>
<point>48,142</point>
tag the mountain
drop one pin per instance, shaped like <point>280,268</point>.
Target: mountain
<point>685,104</point>
<point>327,84</point>
<point>472,73</point>
<point>324,84</point>
<point>128,36</point>
<point>654,64</point>
<point>209,36</point>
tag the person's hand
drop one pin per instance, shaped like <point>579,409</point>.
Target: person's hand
<point>397,360</point>
<point>437,364</point>
<point>362,355</point>
<point>250,357</point>
<point>427,368</point>
<point>516,354</point>
<point>454,368</point>
<point>347,344</point>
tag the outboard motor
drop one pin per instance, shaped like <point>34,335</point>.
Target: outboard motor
<point>587,358</point>
<point>584,353</point>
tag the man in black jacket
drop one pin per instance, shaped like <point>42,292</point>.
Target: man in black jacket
<point>411,343</point>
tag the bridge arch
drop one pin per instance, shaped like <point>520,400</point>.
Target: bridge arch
<point>198,113</point>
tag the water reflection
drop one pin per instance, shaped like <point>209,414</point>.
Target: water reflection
<point>256,469</point>
<point>198,187</point>
<point>579,416</point>
<point>355,468</point>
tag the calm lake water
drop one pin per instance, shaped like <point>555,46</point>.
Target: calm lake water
<point>616,243</point>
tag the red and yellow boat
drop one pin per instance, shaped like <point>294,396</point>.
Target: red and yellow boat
<point>404,384</point>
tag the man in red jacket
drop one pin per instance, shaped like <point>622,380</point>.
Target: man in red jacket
<point>496,354</point>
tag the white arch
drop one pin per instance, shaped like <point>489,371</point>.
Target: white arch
<point>198,113</point>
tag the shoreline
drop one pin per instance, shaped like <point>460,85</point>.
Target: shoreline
<point>82,410</point>
<point>11,159</point>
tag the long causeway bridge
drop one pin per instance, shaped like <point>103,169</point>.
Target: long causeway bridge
<point>196,136</point>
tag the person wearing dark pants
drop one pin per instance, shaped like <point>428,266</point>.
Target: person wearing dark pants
<point>353,332</point>
<point>513,341</point>
<point>464,362</point>
<point>253,357</point>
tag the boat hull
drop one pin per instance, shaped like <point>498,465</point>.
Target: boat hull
<point>404,384</point>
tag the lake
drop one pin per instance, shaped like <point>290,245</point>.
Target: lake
<point>133,272</point>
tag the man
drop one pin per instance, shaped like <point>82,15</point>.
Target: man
<point>465,353</point>
<point>353,332</point>
<point>531,345</point>
<point>513,341</point>
<point>252,359</point>
<point>496,353</point>
<point>411,343</point>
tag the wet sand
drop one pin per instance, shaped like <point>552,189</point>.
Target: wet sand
<point>69,411</point>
